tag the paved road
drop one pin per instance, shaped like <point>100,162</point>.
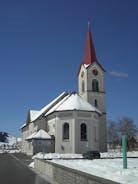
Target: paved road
<point>14,171</point>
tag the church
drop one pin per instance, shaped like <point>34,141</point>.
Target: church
<point>71,123</point>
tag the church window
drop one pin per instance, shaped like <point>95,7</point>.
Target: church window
<point>95,103</point>
<point>95,85</point>
<point>83,86</point>
<point>83,132</point>
<point>66,131</point>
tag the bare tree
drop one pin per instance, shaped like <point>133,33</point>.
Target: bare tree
<point>112,131</point>
<point>127,127</point>
<point>124,126</point>
<point>112,134</point>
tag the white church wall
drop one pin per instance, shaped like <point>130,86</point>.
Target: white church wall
<point>103,133</point>
<point>99,96</point>
<point>64,145</point>
<point>82,77</point>
<point>41,123</point>
<point>100,100</point>
<point>99,77</point>
<point>29,150</point>
<point>25,133</point>
<point>92,141</point>
<point>51,125</point>
<point>30,129</point>
<point>74,144</point>
<point>27,145</point>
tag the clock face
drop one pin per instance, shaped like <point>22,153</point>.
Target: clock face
<point>95,72</point>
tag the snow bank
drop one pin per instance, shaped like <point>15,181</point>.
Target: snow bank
<point>11,140</point>
<point>112,154</point>
<point>56,156</point>
<point>1,151</point>
<point>14,151</point>
<point>115,154</point>
<point>9,151</point>
<point>106,168</point>
<point>31,165</point>
<point>111,169</point>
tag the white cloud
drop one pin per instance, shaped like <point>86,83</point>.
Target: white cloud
<point>118,74</point>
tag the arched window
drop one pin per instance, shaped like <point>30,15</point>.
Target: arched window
<point>66,131</point>
<point>95,85</point>
<point>83,86</point>
<point>95,103</point>
<point>83,132</point>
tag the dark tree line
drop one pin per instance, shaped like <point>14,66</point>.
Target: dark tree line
<point>3,136</point>
<point>124,126</point>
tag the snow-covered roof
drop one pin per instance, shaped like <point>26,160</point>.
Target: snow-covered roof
<point>41,134</point>
<point>23,126</point>
<point>47,107</point>
<point>86,65</point>
<point>33,113</point>
<point>30,136</point>
<point>57,105</point>
<point>63,102</point>
<point>30,117</point>
<point>73,102</point>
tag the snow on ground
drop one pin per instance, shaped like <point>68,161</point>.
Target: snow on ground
<point>111,169</point>
<point>1,151</point>
<point>31,165</point>
<point>11,140</point>
<point>13,151</point>
<point>11,144</point>
<point>111,154</point>
<point>106,168</point>
<point>114,154</point>
<point>56,156</point>
<point>9,151</point>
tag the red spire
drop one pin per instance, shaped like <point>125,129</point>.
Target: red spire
<point>89,54</point>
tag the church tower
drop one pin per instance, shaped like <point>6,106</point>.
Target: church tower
<point>91,85</point>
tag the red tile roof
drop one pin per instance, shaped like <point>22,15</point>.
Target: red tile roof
<point>89,54</point>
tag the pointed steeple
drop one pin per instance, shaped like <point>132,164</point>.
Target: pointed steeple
<point>89,54</point>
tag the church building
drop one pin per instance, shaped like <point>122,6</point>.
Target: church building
<point>71,123</point>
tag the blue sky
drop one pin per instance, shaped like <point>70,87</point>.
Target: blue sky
<point>42,44</point>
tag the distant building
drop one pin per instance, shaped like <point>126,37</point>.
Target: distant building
<point>71,123</point>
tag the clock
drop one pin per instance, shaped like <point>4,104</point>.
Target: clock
<point>95,72</point>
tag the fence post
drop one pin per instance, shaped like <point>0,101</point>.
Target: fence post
<point>124,146</point>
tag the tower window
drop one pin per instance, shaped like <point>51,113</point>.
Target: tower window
<point>66,131</point>
<point>95,85</point>
<point>95,103</point>
<point>83,86</point>
<point>83,132</point>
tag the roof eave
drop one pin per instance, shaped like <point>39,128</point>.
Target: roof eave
<point>98,112</point>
